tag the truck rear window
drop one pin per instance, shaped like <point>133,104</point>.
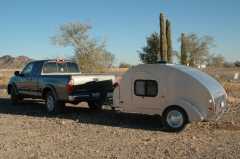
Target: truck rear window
<point>63,67</point>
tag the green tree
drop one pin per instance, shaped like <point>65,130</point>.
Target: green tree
<point>195,49</point>
<point>91,55</point>
<point>150,53</point>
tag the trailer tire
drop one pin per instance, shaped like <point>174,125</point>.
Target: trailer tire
<point>175,119</point>
<point>53,106</point>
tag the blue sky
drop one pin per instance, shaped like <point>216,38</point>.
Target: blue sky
<point>27,25</point>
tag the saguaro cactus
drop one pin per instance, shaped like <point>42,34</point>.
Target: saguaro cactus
<point>169,41</point>
<point>183,50</point>
<point>163,40</point>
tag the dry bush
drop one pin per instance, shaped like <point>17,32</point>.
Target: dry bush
<point>117,70</point>
<point>221,73</point>
<point>232,89</point>
<point>225,77</point>
<point>4,77</point>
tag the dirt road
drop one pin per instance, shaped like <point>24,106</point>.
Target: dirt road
<point>27,132</point>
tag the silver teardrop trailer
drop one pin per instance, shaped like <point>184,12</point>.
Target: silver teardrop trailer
<point>180,94</point>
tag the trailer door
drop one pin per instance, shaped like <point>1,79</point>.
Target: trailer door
<point>145,93</point>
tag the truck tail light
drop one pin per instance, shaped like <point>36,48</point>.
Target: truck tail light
<point>70,86</point>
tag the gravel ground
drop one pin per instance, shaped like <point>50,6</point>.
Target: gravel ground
<point>27,132</point>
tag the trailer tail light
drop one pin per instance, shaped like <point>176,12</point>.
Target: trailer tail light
<point>211,106</point>
<point>70,86</point>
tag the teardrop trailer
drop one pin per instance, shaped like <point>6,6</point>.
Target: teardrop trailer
<point>179,94</point>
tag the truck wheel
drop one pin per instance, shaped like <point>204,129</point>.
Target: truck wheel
<point>175,119</point>
<point>53,106</point>
<point>15,97</point>
<point>95,105</point>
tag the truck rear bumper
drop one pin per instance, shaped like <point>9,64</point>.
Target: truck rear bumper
<point>84,96</point>
<point>88,97</point>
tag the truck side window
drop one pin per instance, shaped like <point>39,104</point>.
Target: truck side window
<point>28,69</point>
<point>146,88</point>
<point>50,67</point>
<point>36,69</point>
<point>72,67</point>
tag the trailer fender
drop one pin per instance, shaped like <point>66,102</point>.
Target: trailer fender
<point>192,111</point>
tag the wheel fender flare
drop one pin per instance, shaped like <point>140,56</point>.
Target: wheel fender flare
<point>192,111</point>
<point>51,88</point>
<point>13,85</point>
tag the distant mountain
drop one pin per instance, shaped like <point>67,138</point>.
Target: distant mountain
<point>10,62</point>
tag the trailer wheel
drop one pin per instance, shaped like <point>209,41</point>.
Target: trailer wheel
<point>52,105</point>
<point>95,105</point>
<point>15,97</point>
<point>175,118</point>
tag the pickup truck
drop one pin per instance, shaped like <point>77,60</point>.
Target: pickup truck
<point>59,82</point>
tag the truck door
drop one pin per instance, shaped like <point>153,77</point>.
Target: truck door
<point>24,78</point>
<point>146,93</point>
<point>28,81</point>
<point>35,78</point>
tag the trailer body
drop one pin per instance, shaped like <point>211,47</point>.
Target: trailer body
<point>154,88</point>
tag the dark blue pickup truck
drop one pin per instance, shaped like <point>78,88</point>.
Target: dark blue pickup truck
<point>59,82</point>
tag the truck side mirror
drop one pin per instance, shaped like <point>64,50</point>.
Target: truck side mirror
<point>17,73</point>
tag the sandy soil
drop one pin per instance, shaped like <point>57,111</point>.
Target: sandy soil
<point>27,132</point>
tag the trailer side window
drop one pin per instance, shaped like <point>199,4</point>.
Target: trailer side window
<point>139,88</point>
<point>147,88</point>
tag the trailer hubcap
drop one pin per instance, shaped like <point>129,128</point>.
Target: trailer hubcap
<point>50,103</point>
<point>175,119</point>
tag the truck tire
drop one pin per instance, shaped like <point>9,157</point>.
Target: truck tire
<point>14,96</point>
<point>175,119</point>
<point>53,106</point>
<point>95,105</point>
